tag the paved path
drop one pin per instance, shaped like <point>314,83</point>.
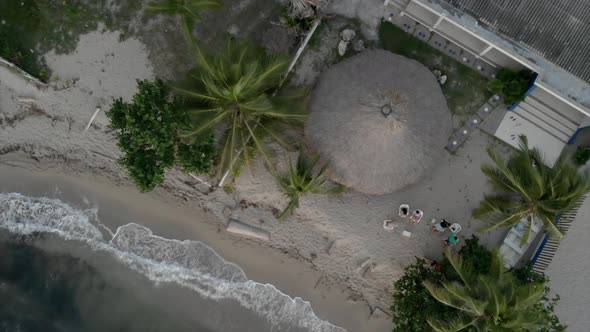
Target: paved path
<point>570,273</point>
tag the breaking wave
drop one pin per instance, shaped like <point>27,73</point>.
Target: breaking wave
<point>191,264</point>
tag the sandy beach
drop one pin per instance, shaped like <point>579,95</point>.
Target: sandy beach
<point>333,252</point>
<point>167,217</point>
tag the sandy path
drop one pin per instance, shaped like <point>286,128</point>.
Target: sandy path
<point>570,271</point>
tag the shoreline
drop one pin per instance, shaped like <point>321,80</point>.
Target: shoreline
<point>168,217</point>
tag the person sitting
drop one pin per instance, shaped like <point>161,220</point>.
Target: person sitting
<point>441,226</point>
<point>451,240</point>
<point>417,216</point>
<point>404,210</point>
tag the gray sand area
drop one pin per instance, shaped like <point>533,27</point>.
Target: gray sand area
<point>340,237</point>
<point>334,252</point>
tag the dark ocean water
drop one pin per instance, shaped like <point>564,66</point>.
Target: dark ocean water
<point>59,271</point>
<point>51,292</point>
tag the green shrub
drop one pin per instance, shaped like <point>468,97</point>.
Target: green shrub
<point>197,157</point>
<point>147,129</point>
<point>412,303</point>
<point>228,188</point>
<point>582,155</point>
<point>475,254</point>
<point>511,85</point>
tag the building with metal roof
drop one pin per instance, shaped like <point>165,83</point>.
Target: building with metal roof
<point>558,30</point>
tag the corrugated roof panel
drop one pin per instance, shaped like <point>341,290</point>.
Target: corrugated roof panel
<point>559,30</point>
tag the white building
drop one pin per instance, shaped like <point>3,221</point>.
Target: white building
<point>551,38</point>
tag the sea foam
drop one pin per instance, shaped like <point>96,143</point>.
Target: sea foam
<point>191,264</point>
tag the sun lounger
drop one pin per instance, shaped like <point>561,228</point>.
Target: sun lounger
<point>404,210</point>
<point>388,225</point>
<point>417,216</point>
<point>455,228</point>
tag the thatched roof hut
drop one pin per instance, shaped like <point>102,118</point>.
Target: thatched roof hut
<point>380,120</point>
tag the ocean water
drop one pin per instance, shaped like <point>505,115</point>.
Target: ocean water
<point>62,270</point>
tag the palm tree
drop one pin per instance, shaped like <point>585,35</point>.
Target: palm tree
<point>528,189</point>
<point>492,302</point>
<point>188,10</point>
<point>300,180</point>
<point>234,92</point>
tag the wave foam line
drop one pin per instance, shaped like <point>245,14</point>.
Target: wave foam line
<point>191,264</point>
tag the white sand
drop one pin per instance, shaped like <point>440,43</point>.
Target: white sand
<point>338,238</point>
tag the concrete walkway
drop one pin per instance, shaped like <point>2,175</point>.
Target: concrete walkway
<point>570,273</point>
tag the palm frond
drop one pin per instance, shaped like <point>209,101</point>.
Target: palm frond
<point>463,270</point>
<point>238,83</point>
<point>302,179</point>
<point>461,322</point>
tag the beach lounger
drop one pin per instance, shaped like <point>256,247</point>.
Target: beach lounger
<point>417,216</point>
<point>455,228</point>
<point>404,210</point>
<point>388,225</point>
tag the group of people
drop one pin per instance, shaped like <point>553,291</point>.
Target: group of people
<point>404,211</point>
<point>444,225</point>
<point>416,217</point>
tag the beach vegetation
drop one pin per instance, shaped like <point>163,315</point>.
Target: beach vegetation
<point>512,85</point>
<point>414,305</point>
<point>235,92</point>
<point>187,10</point>
<point>465,90</point>
<point>147,131</point>
<point>527,189</point>
<point>228,188</point>
<point>304,178</point>
<point>486,302</point>
<point>582,155</point>
<point>30,28</point>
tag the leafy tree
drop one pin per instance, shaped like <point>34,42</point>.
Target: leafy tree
<point>474,254</point>
<point>527,188</point>
<point>412,303</point>
<point>147,129</point>
<point>197,157</point>
<point>582,155</point>
<point>234,92</point>
<point>511,84</point>
<point>188,10</point>
<point>487,302</point>
<point>300,180</point>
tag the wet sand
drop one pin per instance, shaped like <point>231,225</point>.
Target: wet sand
<point>168,218</point>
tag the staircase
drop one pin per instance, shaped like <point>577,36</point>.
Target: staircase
<point>548,247</point>
<point>560,124</point>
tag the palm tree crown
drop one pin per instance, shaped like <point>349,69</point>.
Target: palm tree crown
<point>300,180</point>
<point>528,189</point>
<point>188,10</point>
<point>234,90</point>
<point>493,302</point>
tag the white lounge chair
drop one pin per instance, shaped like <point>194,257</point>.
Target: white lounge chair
<point>389,225</point>
<point>404,210</point>
<point>417,216</point>
<point>455,228</point>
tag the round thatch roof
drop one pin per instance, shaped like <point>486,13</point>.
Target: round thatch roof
<point>380,120</point>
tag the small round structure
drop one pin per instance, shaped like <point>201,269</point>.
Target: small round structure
<point>380,120</point>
